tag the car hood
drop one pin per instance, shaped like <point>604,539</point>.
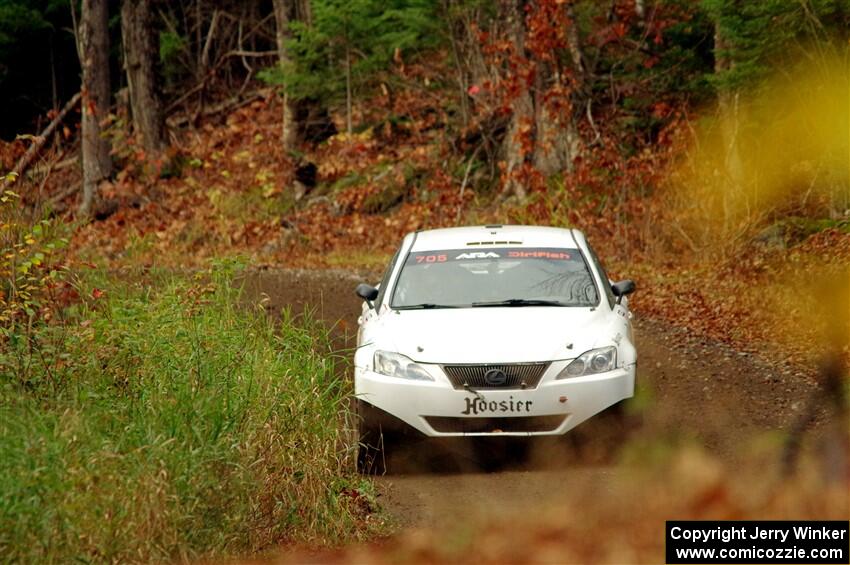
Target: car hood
<point>493,335</point>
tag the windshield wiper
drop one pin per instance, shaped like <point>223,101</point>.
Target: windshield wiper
<point>520,302</point>
<point>425,306</point>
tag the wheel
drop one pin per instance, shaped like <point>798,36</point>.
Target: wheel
<point>371,451</point>
<point>615,417</point>
<point>372,446</point>
<point>624,418</point>
<point>600,439</point>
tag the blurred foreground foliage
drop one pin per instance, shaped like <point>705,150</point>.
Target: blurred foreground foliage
<point>616,519</point>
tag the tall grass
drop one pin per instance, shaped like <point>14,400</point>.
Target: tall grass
<point>173,424</point>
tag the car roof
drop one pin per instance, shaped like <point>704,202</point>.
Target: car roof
<point>494,236</point>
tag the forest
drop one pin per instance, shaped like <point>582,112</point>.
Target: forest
<point>160,159</point>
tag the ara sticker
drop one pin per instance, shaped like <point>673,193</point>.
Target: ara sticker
<point>479,255</point>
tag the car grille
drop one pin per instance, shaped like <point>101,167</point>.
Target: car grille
<point>526,424</point>
<point>518,375</point>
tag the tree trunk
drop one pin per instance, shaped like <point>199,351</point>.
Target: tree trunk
<point>94,51</point>
<point>573,42</point>
<point>304,11</point>
<point>461,72</point>
<point>541,131</point>
<point>556,140</point>
<point>640,10</point>
<point>519,139</point>
<point>348,127</point>
<point>307,119</point>
<point>140,52</point>
<point>284,12</point>
<point>53,88</point>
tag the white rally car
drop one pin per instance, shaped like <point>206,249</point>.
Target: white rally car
<point>490,331</point>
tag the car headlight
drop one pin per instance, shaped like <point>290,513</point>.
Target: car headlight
<point>395,365</point>
<point>591,362</point>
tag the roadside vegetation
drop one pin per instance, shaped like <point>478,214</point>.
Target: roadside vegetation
<point>157,417</point>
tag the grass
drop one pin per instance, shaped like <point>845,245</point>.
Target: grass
<point>173,424</point>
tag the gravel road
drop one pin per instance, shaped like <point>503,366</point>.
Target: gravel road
<point>690,388</point>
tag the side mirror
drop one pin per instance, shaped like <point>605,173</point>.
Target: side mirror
<point>367,292</point>
<point>622,288</point>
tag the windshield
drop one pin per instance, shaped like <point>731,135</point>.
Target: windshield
<point>504,276</point>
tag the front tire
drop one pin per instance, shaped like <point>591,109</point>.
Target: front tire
<point>372,448</point>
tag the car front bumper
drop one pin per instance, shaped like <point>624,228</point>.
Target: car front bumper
<point>437,409</point>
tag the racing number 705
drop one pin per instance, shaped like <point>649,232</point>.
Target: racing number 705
<point>431,258</point>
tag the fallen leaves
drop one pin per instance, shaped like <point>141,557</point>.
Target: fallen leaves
<point>235,195</point>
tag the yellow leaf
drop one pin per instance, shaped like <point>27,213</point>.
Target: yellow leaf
<point>241,156</point>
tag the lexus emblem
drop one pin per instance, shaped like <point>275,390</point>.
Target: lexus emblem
<point>495,377</point>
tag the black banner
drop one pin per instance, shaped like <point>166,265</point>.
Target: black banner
<point>758,542</point>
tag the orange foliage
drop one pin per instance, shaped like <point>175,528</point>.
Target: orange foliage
<point>232,193</point>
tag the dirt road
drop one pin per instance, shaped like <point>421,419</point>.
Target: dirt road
<point>693,389</point>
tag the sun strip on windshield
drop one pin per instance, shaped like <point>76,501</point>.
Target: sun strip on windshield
<point>484,255</point>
